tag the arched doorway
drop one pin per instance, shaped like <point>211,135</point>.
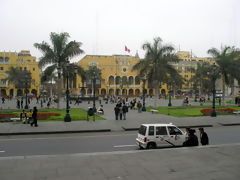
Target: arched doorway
<point>103,92</point>
<point>137,92</point>
<point>11,92</point>
<point>89,92</point>
<point>151,92</point>
<point>111,92</point>
<point>19,92</point>
<point>124,92</point>
<point>83,92</point>
<point>118,91</point>
<point>130,92</point>
<point>3,92</point>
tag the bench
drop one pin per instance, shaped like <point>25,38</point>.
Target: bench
<point>154,111</point>
<point>15,119</point>
<point>236,112</point>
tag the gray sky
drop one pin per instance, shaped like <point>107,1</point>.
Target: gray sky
<point>106,26</point>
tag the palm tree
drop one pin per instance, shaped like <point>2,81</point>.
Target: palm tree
<point>200,78</point>
<point>156,63</point>
<point>58,55</point>
<point>19,77</point>
<point>225,59</point>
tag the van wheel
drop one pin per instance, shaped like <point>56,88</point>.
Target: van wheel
<point>151,145</point>
<point>140,147</point>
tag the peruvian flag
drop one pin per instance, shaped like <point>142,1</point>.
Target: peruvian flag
<point>126,49</point>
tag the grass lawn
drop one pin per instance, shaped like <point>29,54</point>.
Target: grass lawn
<point>75,113</point>
<point>187,111</point>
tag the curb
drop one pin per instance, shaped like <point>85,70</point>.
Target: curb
<point>55,132</point>
<point>230,124</point>
<point>191,126</point>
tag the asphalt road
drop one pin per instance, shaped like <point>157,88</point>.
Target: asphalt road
<point>93,142</point>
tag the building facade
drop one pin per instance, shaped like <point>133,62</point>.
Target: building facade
<point>117,76</point>
<point>24,61</point>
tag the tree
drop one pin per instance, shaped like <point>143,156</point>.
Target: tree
<point>156,65</point>
<point>225,59</point>
<point>19,77</point>
<point>200,79</point>
<point>59,54</point>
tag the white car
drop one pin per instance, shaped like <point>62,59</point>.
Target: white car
<point>151,136</point>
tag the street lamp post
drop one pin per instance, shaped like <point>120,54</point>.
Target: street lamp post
<point>26,86</point>
<point>144,108</point>
<point>169,100</point>
<point>214,78</point>
<point>67,117</point>
<point>94,89</point>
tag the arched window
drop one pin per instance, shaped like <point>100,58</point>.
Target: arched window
<point>130,80</point>
<point>137,80</point>
<point>118,80</point>
<point>111,80</point>
<point>124,81</point>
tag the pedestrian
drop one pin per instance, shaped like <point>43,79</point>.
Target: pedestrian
<point>124,110</point>
<point>203,137</point>
<point>120,112</point>
<point>116,110</point>
<point>34,117</point>
<point>139,106</point>
<point>23,116</point>
<point>192,139</point>
<point>48,104</point>
<point>3,100</point>
<point>22,103</point>
<point>29,115</point>
<point>18,104</point>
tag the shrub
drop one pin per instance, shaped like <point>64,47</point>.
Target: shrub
<point>207,112</point>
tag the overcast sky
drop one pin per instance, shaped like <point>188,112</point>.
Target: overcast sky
<point>106,26</point>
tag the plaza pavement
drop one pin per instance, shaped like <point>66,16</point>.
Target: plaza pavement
<point>193,163</point>
<point>134,120</point>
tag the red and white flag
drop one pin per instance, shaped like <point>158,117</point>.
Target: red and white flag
<point>126,49</point>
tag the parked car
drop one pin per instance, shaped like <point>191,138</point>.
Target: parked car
<point>151,136</point>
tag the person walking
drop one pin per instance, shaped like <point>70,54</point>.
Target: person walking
<point>139,106</point>
<point>34,117</point>
<point>120,112</point>
<point>203,137</point>
<point>116,110</point>
<point>125,110</point>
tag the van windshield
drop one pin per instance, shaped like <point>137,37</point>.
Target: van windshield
<point>142,130</point>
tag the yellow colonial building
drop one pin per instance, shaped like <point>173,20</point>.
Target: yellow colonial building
<point>117,76</point>
<point>119,79</point>
<point>24,61</point>
<point>186,64</point>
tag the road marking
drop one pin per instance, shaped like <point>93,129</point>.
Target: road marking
<point>2,151</point>
<point>68,137</point>
<point>130,145</point>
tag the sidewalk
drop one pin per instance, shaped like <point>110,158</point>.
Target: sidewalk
<point>205,163</point>
<point>133,122</point>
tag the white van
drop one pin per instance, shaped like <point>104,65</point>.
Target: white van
<point>160,135</point>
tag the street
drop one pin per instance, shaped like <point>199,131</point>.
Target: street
<point>54,144</point>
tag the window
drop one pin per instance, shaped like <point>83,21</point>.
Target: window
<point>25,68</point>
<point>161,130</point>
<point>151,131</point>
<point>33,69</point>
<point>142,130</point>
<point>174,131</point>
